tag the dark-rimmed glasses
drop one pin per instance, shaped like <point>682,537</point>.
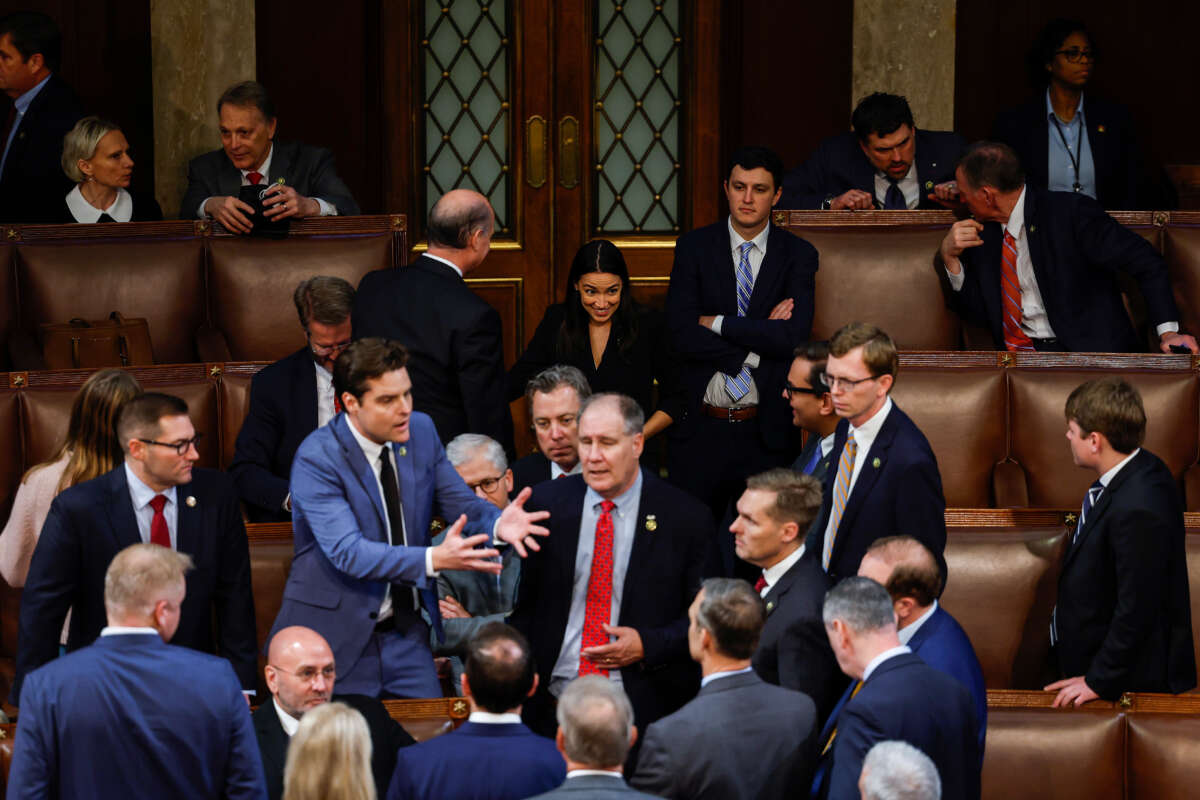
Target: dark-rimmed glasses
<point>487,484</point>
<point>1075,55</point>
<point>180,448</point>
<point>791,390</point>
<point>326,350</point>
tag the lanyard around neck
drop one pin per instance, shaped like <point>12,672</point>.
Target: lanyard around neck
<point>1074,156</point>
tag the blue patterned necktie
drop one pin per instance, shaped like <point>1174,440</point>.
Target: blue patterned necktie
<point>1089,500</point>
<point>738,385</point>
<point>894,200</point>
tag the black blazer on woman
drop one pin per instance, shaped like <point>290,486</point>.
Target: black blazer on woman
<point>632,373</point>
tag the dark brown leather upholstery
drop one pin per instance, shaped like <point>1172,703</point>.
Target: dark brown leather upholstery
<point>161,280</point>
<point>962,413</point>
<point>1034,753</point>
<point>235,404</point>
<point>8,299</point>
<point>1163,755</point>
<point>1181,248</point>
<point>270,563</point>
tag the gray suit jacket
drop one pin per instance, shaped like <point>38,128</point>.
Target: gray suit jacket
<point>740,738</point>
<point>593,787</point>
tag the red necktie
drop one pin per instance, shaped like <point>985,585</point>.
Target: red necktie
<point>598,612</point>
<point>255,178</point>
<point>1010,298</point>
<point>158,526</point>
<point>760,584</point>
<point>337,403</point>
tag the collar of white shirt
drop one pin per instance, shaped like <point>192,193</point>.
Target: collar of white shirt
<point>906,633</point>
<point>289,723</point>
<point>264,170</point>
<point>143,494</point>
<point>773,573</point>
<point>447,262</point>
<point>488,718</point>
<point>370,449</point>
<point>125,630</point>
<point>121,209</point>
<point>736,241</point>
<point>1016,220</point>
<point>725,673</point>
<point>827,444</point>
<point>606,773</point>
<point>882,657</point>
<point>1107,477</point>
<point>557,472</point>
<point>864,436</point>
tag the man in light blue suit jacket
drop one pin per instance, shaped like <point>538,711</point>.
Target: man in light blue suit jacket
<point>364,490</point>
<point>907,569</point>
<point>131,716</point>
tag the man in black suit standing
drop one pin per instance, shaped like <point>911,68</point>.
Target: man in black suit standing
<point>155,496</point>
<point>1123,619</point>
<point>740,301</point>
<point>453,337</point>
<point>773,517</point>
<point>764,749</point>
<point>553,396</point>
<point>290,399</point>
<point>300,675</point>
<point>44,108</point>
<point>812,408</point>
<point>1038,268</point>
<point>886,162</point>
<point>608,592</point>
<point>299,180</point>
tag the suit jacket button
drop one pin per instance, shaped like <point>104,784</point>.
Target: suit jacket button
<point>373,614</point>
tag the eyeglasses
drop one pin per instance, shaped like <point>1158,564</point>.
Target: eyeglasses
<point>326,349</point>
<point>179,447</point>
<point>543,423</point>
<point>487,484</point>
<point>791,390</point>
<point>1075,55</point>
<point>309,674</point>
<point>832,381</point>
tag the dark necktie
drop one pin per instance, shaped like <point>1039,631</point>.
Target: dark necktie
<point>395,511</point>
<point>894,199</point>
<point>159,534</point>
<point>1089,500</point>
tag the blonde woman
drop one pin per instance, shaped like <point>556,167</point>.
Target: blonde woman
<point>96,156</point>
<point>329,758</point>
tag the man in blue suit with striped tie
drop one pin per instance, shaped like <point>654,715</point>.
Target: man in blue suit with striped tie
<point>812,408</point>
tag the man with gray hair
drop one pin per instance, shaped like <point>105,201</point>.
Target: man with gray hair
<point>896,695</point>
<point>763,743</point>
<point>454,338</point>
<point>898,771</point>
<point>292,398</point>
<point>553,398</point>
<point>595,734</point>
<point>188,735</point>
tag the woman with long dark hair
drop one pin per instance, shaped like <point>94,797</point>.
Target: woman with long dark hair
<point>619,345</point>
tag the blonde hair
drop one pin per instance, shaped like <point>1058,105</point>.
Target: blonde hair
<point>329,758</point>
<point>140,575</point>
<point>81,142</point>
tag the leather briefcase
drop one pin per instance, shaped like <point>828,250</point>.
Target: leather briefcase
<point>114,342</point>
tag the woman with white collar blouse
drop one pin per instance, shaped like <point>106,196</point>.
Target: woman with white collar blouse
<point>96,156</point>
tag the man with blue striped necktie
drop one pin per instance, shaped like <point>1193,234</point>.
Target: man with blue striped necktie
<point>740,301</point>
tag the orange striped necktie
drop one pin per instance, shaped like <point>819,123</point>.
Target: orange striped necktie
<point>841,492</point>
<point>1010,298</point>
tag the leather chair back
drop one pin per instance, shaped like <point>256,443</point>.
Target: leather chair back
<point>1181,249</point>
<point>235,404</point>
<point>270,562</point>
<point>1164,755</point>
<point>8,299</point>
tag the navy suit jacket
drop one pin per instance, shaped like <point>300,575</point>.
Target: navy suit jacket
<point>90,523</point>
<point>839,165</point>
<point>343,562</point>
<point>479,761</point>
<point>703,283</point>
<point>1110,136</point>
<point>1076,250</point>
<point>131,716</point>
<point>898,492</point>
<point>283,411</point>
<point>666,567</point>
<point>943,644</point>
<point>820,466</point>
<point>307,169</point>
<point>530,471</point>
<point>1124,618</point>
<point>33,185</point>
<point>909,700</point>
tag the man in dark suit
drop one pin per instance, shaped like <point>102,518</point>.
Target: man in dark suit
<point>886,162</point>
<point>498,679</point>
<point>453,336</point>
<point>740,301</point>
<point>909,572</point>
<point>363,492</point>
<point>773,517</point>
<point>886,480</point>
<point>1123,619</point>
<point>553,397</point>
<point>896,696</point>
<point>44,108</point>
<point>298,180</point>
<point>290,399</point>
<point>300,675</point>
<point>765,744</point>
<point>595,734</point>
<point>155,496</point>
<point>131,716</point>
<point>812,408</point>
<point>608,592</point>
<point>1038,268</point>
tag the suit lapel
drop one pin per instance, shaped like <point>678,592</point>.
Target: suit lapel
<point>769,273</point>
<point>272,740</point>
<point>1097,513</point>
<point>1039,131</point>
<point>229,179</point>
<point>121,517</point>
<point>722,265</point>
<point>639,555</point>
<point>1098,143</point>
<point>357,462</point>
<point>304,402</point>
<point>867,476</point>
<point>408,494</point>
<point>281,163</point>
<point>187,520</point>
<point>1037,252</point>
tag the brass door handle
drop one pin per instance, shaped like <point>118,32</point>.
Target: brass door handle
<point>568,152</point>
<point>537,147</point>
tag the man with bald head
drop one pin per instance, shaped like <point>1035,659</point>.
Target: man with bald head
<point>453,337</point>
<point>300,675</point>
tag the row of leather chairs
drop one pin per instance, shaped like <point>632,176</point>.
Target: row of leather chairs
<point>206,295</point>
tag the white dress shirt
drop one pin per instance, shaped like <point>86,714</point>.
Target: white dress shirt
<point>773,573</point>
<point>909,187</point>
<point>325,404</point>
<point>864,437</point>
<point>725,673</point>
<point>141,495</point>
<point>289,723</point>
<point>121,209</point>
<point>327,209</point>
<point>716,394</point>
<point>489,718</point>
<point>907,632</point>
<point>557,472</point>
<point>882,657</point>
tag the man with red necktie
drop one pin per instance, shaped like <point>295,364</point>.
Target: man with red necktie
<point>1044,274</point>
<point>608,593</point>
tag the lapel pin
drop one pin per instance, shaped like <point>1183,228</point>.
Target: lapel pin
<point>1032,228</point>
<point>190,501</point>
<point>929,184</point>
<point>651,523</point>
<point>770,606</point>
<point>1099,129</point>
<point>876,463</point>
<point>403,450</point>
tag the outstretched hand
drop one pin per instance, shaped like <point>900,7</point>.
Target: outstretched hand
<point>457,552</point>
<point>516,527</point>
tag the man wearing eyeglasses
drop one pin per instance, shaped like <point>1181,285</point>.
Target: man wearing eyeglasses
<point>290,399</point>
<point>300,675</point>
<point>812,408</point>
<point>884,480</point>
<point>156,496</point>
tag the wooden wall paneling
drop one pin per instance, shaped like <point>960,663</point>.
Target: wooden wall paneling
<point>507,296</point>
<point>8,300</point>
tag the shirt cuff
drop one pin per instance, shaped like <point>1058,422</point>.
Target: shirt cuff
<point>430,572</point>
<point>496,540</point>
<point>1167,327</point>
<point>718,320</point>
<point>249,692</point>
<point>751,360</point>
<point>327,209</point>
<point>957,281</point>
<point>287,503</point>
<point>200,211</point>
